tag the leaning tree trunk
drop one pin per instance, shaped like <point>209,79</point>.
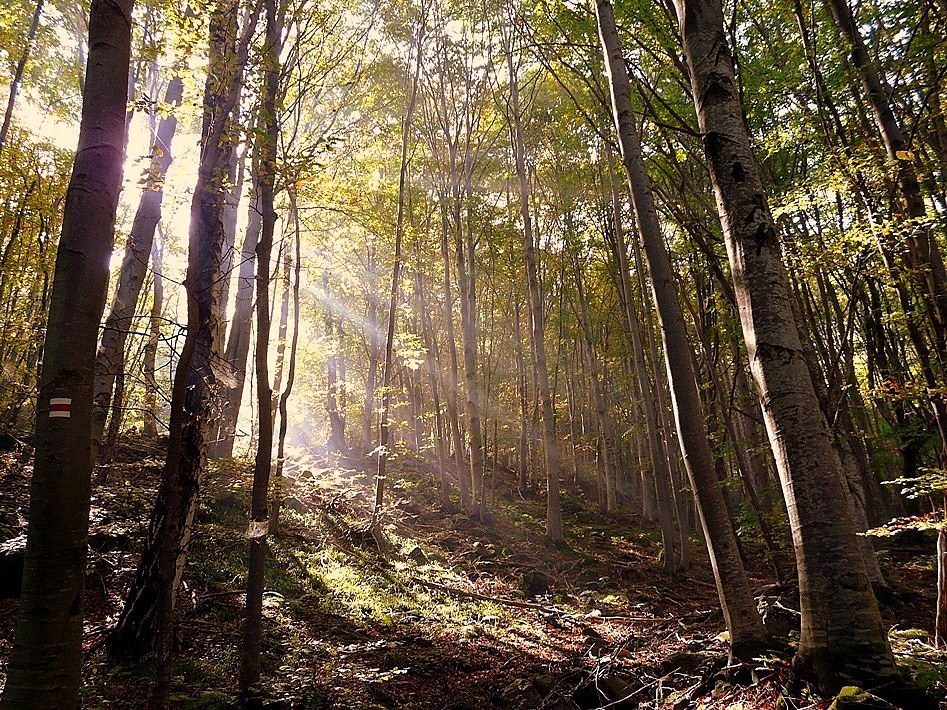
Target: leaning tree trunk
<point>44,668</point>
<point>747,635</point>
<point>110,359</point>
<point>843,636</point>
<point>18,74</point>
<point>147,618</point>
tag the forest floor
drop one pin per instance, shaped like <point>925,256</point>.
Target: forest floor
<point>454,614</point>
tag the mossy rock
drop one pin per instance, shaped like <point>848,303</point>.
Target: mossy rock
<point>854,697</point>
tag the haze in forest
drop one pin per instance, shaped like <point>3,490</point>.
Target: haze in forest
<point>432,354</point>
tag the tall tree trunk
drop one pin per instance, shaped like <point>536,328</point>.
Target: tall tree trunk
<point>44,669</point>
<point>522,442</point>
<point>259,504</point>
<point>371,378</point>
<point>453,415</point>
<point>237,349</point>
<point>537,330</point>
<point>18,74</point>
<point>110,359</point>
<point>747,635</point>
<point>280,483</point>
<point>843,635</point>
<point>395,293</point>
<point>150,425</point>
<point>336,442</point>
<point>434,375</point>
<point>146,621</point>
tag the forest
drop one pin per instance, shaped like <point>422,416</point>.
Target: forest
<point>443,354</point>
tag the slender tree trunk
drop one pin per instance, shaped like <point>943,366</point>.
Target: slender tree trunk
<point>18,74</point>
<point>843,635</point>
<point>747,635</point>
<point>237,349</point>
<point>290,373</point>
<point>259,504</point>
<point>453,416</point>
<point>146,621</point>
<point>537,331</point>
<point>110,359</point>
<point>372,375</point>
<point>522,446</point>
<point>434,375</point>
<point>150,426</point>
<point>406,124</point>
<point>940,623</point>
<point>336,442</point>
<point>44,669</point>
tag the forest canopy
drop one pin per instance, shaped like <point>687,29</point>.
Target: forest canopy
<point>411,353</point>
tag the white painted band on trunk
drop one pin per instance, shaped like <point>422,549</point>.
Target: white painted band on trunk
<point>258,528</point>
<point>60,407</point>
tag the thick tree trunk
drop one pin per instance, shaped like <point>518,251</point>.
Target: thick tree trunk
<point>747,635</point>
<point>110,359</point>
<point>843,636</point>
<point>44,669</point>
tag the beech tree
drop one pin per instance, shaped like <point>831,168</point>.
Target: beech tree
<point>45,664</point>
<point>747,636</point>
<point>843,636</point>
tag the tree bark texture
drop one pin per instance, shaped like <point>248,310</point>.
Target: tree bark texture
<point>47,653</point>
<point>110,359</point>
<point>843,637</point>
<point>747,635</point>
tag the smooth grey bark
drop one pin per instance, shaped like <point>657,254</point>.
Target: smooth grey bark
<point>44,669</point>
<point>747,635</point>
<point>843,637</point>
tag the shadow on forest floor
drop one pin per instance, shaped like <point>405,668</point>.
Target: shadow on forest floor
<point>456,614</point>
